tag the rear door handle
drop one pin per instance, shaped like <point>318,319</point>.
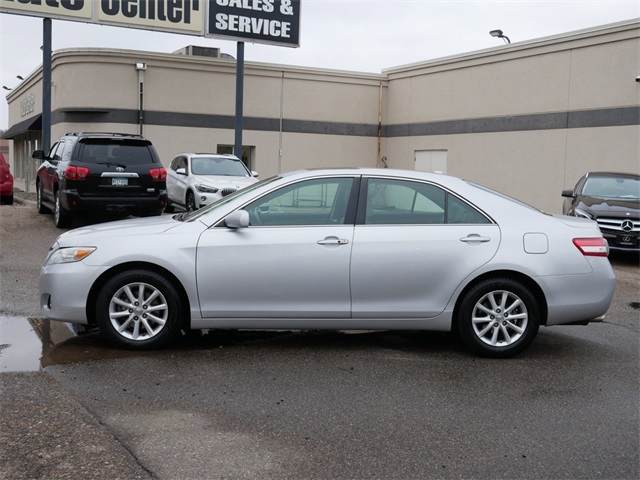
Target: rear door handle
<point>333,241</point>
<point>475,238</point>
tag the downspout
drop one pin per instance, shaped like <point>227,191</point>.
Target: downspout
<point>281,123</point>
<point>379,127</point>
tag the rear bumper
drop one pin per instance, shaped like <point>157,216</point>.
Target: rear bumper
<point>152,203</point>
<point>579,299</point>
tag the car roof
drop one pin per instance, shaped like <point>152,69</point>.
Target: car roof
<point>214,155</point>
<point>102,134</point>
<point>612,174</point>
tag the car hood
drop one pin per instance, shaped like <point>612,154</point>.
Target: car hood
<point>609,207</point>
<point>90,235</point>
<point>221,181</point>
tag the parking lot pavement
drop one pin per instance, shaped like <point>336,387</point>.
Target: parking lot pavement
<point>316,405</point>
<point>46,434</point>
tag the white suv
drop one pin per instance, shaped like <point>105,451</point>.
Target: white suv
<point>198,179</point>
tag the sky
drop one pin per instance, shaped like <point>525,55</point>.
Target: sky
<point>354,35</point>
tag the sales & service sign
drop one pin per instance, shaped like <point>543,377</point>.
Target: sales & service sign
<point>274,22</point>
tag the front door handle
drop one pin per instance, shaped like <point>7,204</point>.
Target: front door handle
<point>473,238</point>
<point>333,241</point>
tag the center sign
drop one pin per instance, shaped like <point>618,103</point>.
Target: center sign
<point>274,22</point>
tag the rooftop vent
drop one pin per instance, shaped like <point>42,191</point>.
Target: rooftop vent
<point>196,51</point>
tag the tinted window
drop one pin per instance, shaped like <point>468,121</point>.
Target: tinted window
<point>56,150</point>
<point>123,152</point>
<point>178,162</point>
<point>312,202</point>
<point>403,202</point>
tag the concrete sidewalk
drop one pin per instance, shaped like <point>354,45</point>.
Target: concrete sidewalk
<point>46,434</point>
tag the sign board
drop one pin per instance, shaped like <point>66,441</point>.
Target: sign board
<point>174,16</point>
<point>275,22</point>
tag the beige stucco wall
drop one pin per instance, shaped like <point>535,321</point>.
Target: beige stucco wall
<point>577,72</point>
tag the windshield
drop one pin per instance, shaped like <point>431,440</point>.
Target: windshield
<point>612,187</point>
<point>196,214</point>
<point>226,167</point>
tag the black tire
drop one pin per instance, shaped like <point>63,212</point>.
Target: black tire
<point>60,216</point>
<point>7,199</point>
<point>123,314</point>
<point>169,208</point>
<point>39,206</point>
<point>190,202</point>
<point>498,318</point>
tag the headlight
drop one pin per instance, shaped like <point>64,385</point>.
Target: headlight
<point>582,214</point>
<point>206,189</point>
<point>69,255</point>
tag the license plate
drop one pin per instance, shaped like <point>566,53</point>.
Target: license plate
<point>119,182</point>
<point>627,240</point>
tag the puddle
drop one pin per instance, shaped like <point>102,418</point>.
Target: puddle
<point>25,342</point>
<point>29,344</point>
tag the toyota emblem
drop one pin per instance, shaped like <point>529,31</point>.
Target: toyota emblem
<point>119,169</point>
<point>627,225</point>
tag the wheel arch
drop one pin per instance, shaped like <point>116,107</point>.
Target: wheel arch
<point>527,281</point>
<point>102,280</point>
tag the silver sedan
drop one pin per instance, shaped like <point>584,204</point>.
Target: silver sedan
<point>336,249</point>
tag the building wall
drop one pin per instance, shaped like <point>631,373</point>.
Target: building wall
<point>527,119</point>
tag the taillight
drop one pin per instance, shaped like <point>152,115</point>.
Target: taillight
<point>592,247</point>
<point>158,174</point>
<point>76,173</point>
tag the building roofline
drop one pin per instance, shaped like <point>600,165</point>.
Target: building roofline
<point>625,25</point>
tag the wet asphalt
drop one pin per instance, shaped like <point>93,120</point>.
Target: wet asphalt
<point>302,405</point>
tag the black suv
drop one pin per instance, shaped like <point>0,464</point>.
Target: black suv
<point>100,173</point>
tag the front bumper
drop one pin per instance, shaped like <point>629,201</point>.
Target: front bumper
<point>64,291</point>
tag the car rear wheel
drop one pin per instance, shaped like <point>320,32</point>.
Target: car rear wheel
<point>498,318</point>
<point>7,199</point>
<point>60,216</point>
<point>139,309</point>
<point>41,208</point>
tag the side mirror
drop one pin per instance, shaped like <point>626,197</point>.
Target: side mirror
<point>38,155</point>
<point>567,193</point>
<point>254,173</point>
<point>181,171</point>
<point>237,219</point>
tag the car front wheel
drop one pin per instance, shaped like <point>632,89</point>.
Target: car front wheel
<point>191,202</point>
<point>498,318</point>
<point>139,309</point>
<point>41,208</point>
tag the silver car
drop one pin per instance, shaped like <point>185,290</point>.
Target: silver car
<point>336,249</point>
<point>195,180</point>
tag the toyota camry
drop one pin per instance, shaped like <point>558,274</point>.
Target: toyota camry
<point>336,249</point>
